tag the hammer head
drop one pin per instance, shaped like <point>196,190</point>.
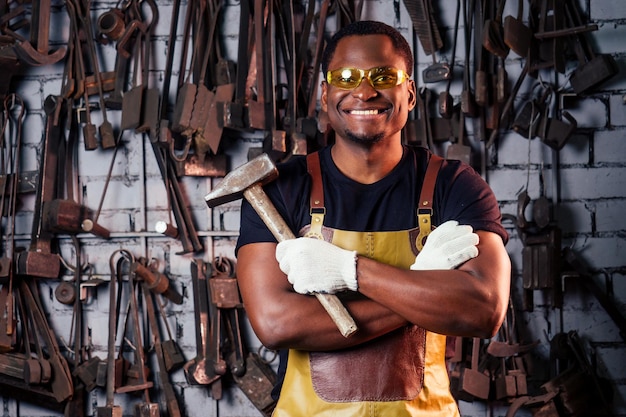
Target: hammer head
<point>259,170</point>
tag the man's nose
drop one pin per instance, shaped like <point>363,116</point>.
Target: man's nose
<point>365,90</point>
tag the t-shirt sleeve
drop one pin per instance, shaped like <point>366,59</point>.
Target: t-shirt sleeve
<point>470,200</point>
<point>252,229</point>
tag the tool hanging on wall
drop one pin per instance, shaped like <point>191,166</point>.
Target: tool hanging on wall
<point>14,112</point>
<point>165,385</point>
<point>41,376</point>
<point>107,137</point>
<point>38,260</point>
<point>34,50</point>
<point>437,71</point>
<point>200,370</point>
<point>593,69</point>
<point>575,387</point>
<point>517,36</point>
<point>110,409</point>
<point>541,238</point>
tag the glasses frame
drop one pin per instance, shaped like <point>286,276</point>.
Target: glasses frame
<point>401,75</point>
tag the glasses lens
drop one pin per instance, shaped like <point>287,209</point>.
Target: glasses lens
<point>347,78</point>
<point>380,77</point>
<point>385,77</point>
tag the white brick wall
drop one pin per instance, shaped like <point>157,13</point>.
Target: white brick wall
<point>590,212</point>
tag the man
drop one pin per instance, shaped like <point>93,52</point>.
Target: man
<point>373,214</point>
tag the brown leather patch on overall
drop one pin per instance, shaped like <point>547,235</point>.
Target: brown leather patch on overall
<point>390,368</point>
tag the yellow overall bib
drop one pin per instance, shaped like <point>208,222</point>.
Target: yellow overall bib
<point>400,374</point>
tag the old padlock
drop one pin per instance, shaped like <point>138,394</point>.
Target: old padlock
<point>558,131</point>
<point>528,119</point>
<point>223,286</point>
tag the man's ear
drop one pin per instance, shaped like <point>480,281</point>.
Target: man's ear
<point>324,96</point>
<point>412,93</point>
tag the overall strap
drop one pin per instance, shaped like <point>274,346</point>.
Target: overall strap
<point>425,204</point>
<point>316,200</point>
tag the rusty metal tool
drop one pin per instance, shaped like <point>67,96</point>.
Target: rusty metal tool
<point>247,181</point>
<point>437,71</point>
<point>517,36</point>
<point>225,296</point>
<point>468,103</point>
<point>199,370</point>
<point>446,102</point>
<point>423,25</point>
<point>172,353</point>
<point>61,380</point>
<point>164,382</point>
<point>151,95</point>
<point>157,282</point>
<point>110,409</point>
<point>493,33</point>
<point>36,52</point>
<point>474,382</point>
<point>593,69</point>
<point>138,372</point>
<point>39,261</point>
<point>106,129</point>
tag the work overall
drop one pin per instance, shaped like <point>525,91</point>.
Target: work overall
<point>400,374</point>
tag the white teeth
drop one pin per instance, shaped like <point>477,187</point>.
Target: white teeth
<point>364,112</point>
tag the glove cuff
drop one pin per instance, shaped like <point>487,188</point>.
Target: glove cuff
<point>348,270</point>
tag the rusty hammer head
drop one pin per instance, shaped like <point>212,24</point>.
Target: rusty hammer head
<point>259,170</point>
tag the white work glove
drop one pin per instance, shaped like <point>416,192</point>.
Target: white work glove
<point>314,265</point>
<point>447,247</point>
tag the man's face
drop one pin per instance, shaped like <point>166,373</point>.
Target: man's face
<point>365,114</point>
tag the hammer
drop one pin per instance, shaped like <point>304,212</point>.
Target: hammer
<point>248,180</point>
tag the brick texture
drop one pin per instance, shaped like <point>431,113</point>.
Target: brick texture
<point>590,192</point>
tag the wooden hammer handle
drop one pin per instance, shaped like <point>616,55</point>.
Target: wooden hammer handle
<point>272,219</point>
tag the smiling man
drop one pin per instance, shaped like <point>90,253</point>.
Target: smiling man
<point>412,243</point>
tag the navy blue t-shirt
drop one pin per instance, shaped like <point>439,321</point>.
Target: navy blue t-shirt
<point>386,205</point>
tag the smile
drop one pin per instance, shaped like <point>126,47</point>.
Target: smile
<point>365,112</point>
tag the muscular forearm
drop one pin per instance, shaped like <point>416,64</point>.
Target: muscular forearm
<point>468,301</point>
<point>282,318</point>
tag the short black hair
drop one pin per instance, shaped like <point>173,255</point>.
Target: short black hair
<point>369,27</point>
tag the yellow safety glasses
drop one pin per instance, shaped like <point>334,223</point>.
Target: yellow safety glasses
<point>380,78</point>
